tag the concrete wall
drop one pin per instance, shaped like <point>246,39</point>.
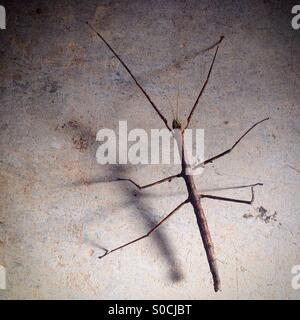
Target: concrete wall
<point>59,85</point>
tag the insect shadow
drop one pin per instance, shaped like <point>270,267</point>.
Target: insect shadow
<point>139,202</point>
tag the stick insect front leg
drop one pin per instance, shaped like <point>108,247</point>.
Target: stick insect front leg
<point>148,233</point>
<point>132,76</point>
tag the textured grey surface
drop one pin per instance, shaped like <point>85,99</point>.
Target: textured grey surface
<point>59,85</point>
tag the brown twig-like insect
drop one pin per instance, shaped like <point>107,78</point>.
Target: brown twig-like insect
<point>194,197</point>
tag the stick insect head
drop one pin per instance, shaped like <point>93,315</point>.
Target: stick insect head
<point>176,124</point>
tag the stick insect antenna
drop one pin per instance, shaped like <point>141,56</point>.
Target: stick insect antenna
<point>171,105</point>
<point>177,98</point>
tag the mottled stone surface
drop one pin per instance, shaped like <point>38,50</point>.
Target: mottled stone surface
<point>59,85</point>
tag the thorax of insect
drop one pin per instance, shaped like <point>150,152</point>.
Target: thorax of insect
<point>176,124</point>
<point>178,127</point>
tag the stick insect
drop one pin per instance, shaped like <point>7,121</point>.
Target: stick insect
<point>194,196</point>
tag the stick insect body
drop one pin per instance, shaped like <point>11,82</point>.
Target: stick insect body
<point>194,197</point>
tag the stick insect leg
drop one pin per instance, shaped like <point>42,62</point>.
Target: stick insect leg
<point>132,76</point>
<point>236,187</point>
<point>210,160</point>
<point>169,179</point>
<point>229,199</point>
<point>202,89</point>
<point>215,44</point>
<point>148,233</point>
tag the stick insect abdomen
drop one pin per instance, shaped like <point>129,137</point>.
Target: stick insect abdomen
<point>204,230</point>
<point>194,199</point>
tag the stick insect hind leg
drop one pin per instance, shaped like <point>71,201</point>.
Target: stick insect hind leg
<point>107,252</point>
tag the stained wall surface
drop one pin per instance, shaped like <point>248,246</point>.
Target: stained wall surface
<point>59,85</point>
